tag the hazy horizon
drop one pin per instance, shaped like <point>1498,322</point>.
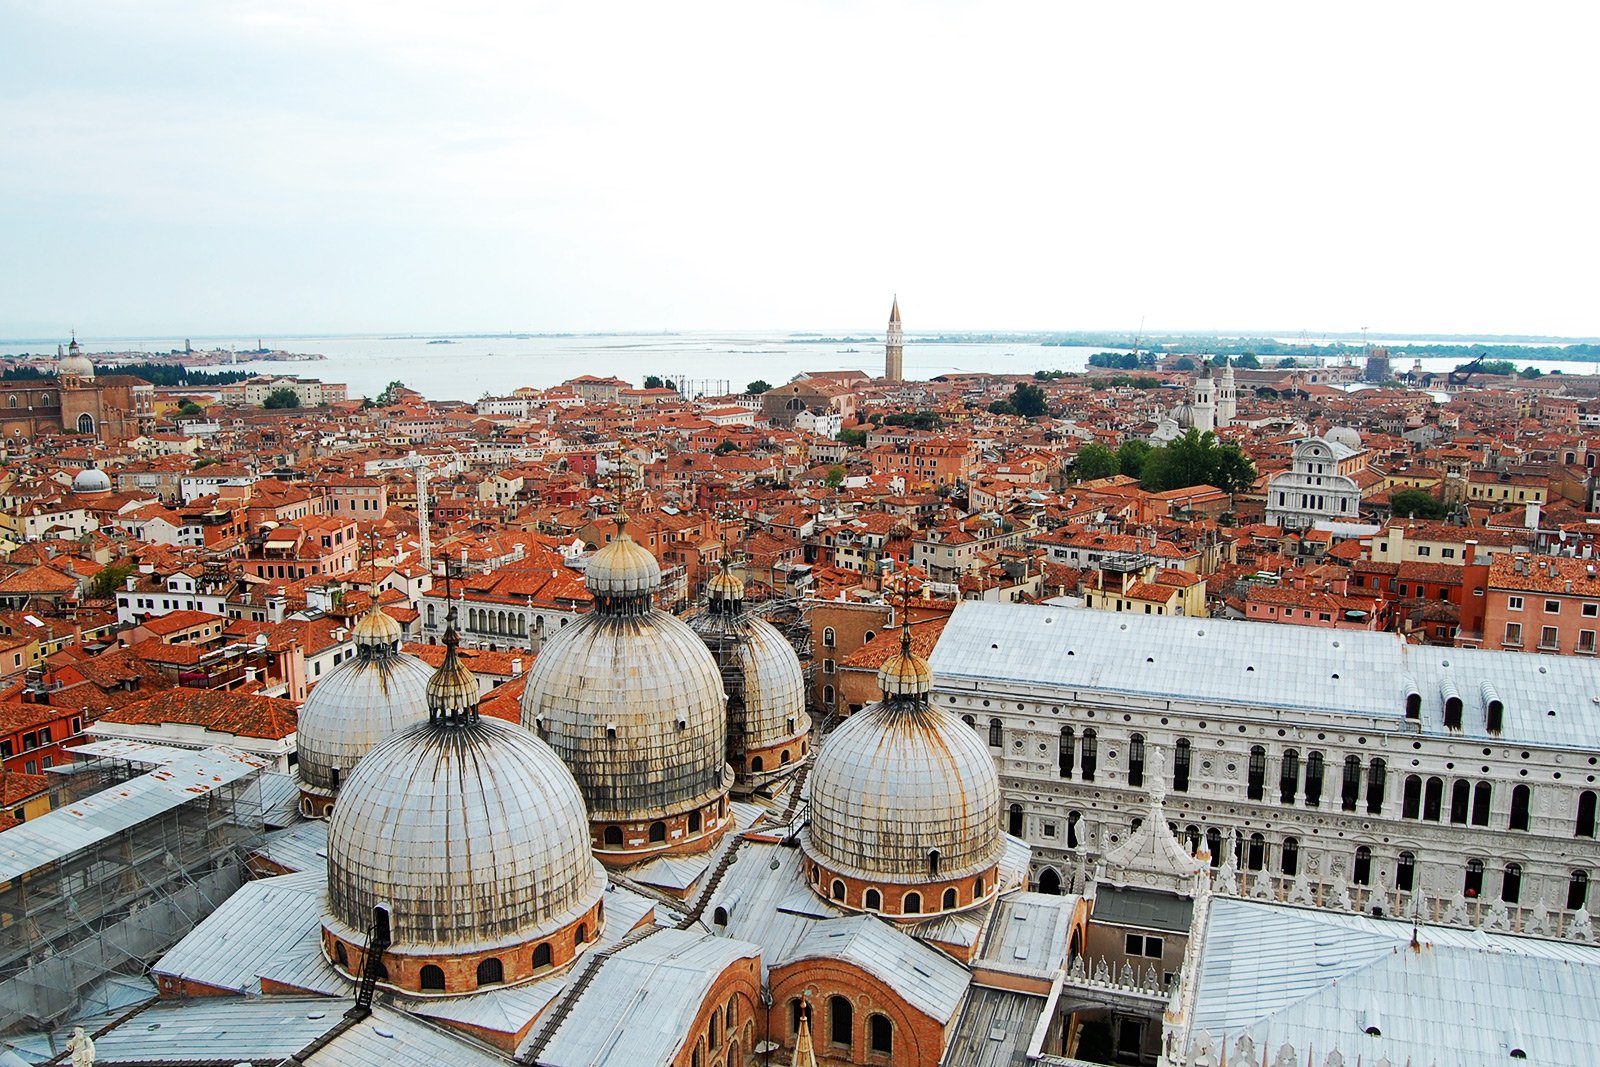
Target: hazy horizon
<point>179,167</point>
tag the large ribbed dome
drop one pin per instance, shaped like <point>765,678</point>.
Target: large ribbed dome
<point>900,781</point>
<point>472,833</point>
<point>375,693</point>
<point>634,704</point>
<point>75,363</point>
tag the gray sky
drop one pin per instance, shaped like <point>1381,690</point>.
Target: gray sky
<point>307,165</point>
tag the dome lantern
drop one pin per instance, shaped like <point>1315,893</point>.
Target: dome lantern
<point>453,689</point>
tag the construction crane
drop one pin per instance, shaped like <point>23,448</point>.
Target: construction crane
<point>1463,374</point>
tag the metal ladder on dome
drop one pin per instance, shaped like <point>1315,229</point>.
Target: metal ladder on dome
<point>371,965</point>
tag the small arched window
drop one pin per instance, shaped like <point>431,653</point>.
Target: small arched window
<point>1180,765</point>
<point>827,637</point>
<point>1256,782</point>
<point>828,695</point>
<point>694,816</point>
<point>836,890</point>
<point>977,889</point>
<point>1521,805</point>
<point>341,955</point>
<point>1511,883</point>
<point>1091,754</point>
<point>1289,776</point>
<point>880,1035</point>
<point>841,1021</point>
<point>1472,884</point>
<point>431,977</point>
<point>1289,857</point>
<point>1214,845</point>
<point>950,899</point>
<point>997,737</point>
<point>1376,770</point>
<point>1586,814</point>
<point>1014,820</point>
<point>541,955</point>
<point>1350,791</point>
<point>658,831</point>
<point>1577,890</point>
<point>872,900</point>
<point>11,401</point>
<point>1433,800</point>
<point>1313,789</point>
<point>1361,870</point>
<point>794,1016</point>
<point>1064,752</point>
<point>1136,760</point>
<point>1460,801</point>
<point>490,972</point>
<point>933,863</point>
<point>1405,872</point>
<point>911,904</point>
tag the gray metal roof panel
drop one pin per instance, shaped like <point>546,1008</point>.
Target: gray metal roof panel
<point>258,923</point>
<point>301,847</point>
<point>1269,666</point>
<point>995,1029</point>
<point>1132,906</point>
<point>930,981</point>
<point>213,1028</point>
<point>76,826</point>
<point>1029,933</point>
<point>393,1039</point>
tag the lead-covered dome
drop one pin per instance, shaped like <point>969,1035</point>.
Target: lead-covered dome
<point>633,702</point>
<point>75,364</point>
<point>469,836</point>
<point>907,795</point>
<point>91,480</point>
<point>378,691</point>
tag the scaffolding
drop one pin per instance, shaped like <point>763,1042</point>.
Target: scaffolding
<point>108,883</point>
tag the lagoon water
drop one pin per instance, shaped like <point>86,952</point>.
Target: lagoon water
<point>702,362</point>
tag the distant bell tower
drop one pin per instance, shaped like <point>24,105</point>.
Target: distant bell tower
<point>893,364</point>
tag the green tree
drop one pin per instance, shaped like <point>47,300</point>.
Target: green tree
<point>1248,361</point>
<point>1531,372</point>
<point>390,393</point>
<point>190,410</point>
<point>652,381</point>
<point>1184,363</point>
<point>1002,407</point>
<point>103,585</point>
<point>1287,363</point>
<point>1418,504</point>
<point>1095,461</point>
<point>1029,400</point>
<point>725,447</point>
<point>835,477</point>
<point>854,436</point>
<point>1131,457</point>
<point>757,387</point>
<point>281,398</point>
<point>1197,459</point>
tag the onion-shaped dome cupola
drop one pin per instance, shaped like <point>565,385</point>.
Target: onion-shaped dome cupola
<point>467,836</point>
<point>768,727</point>
<point>629,697</point>
<point>905,804</point>
<point>369,696</point>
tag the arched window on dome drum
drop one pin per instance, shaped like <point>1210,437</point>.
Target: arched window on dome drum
<point>1482,795</point>
<point>950,899</point>
<point>580,937</point>
<point>841,1021</point>
<point>658,831</point>
<point>1433,799</point>
<point>1376,771</point>
<point>1472,884</point>
<point>1350,793</point>
<point>612,836</point>
<point>1214,845</point>
<point>1258,773</point>
<point>1511,883</point>
<point>1256,856</point>
<point>873,900</point>
<point>1577,890</point>
<point>490,972</point>
<point>911,904</point>
<point>836,890</point>
<point>997,737</point>
<point>694,816</point>
<point>340,955</point>
<point>1180,765</point>
<point>1521,801</point>
<point>1586,814</point>
<point>1136,760</point>
<point>1289,776</point>
<point>1289,857</point>
<point>933,863</point>
<point>1049,882</point>
<point>880,1035</point>
<point>431,977</point>
<point>977,889</point>
<point>1064,751</point>
<point>783,757</point>
<point>1091,755</point>
<point>1014,820</point>
<point>1361,870</point>
<point>1460,801</point>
